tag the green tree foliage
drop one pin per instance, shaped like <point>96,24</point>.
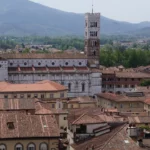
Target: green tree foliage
<point>117,55</point>
<point>145,83</point>
<point>7,44</point>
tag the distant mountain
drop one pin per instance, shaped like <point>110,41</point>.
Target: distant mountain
<point>144,32</point>
<point>23,18</point>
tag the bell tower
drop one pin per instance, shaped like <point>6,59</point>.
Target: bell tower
<point>92,38</point>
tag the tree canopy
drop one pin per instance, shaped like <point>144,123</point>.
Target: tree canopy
<point>117,55</point>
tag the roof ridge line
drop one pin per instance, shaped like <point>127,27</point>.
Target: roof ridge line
<point>113,136</point>
<point>79,118</point>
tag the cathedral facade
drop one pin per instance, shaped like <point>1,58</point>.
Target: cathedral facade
<point>78,72</point>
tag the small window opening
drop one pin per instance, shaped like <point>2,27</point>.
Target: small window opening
<point>10,125</point>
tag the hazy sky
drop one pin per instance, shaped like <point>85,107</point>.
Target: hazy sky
<point>123,10</point>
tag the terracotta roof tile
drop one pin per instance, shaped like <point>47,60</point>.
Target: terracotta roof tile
<point>16,104</point>
<point>38,86</point>
<point>40,68</point>
<point>26,126</point>
<point>45,108</point>
<point>83,99</point>
<point>114,140</point>
<point>59,55</point>
<point>139,119</point>
<point>120,98</point>
<point>132,75</point>
<point>87,119</point>
<point>26,69</point>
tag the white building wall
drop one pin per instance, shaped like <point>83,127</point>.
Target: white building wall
<point>3,70</point>
<point>91,80</point>
<point>91,127</point>
<point>46,62</point>
<point>96,81</point>
<point>92,17</point>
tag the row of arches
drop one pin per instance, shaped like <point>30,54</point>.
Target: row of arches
<point>30,146</point>
<point>66,63</point>
<point>82,87</point>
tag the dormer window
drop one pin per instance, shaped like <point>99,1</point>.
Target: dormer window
<point>10,125</point>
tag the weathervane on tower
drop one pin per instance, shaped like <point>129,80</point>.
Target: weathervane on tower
<point>92,6</point>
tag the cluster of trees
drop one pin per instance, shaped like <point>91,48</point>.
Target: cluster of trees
<point>110,55</point>
<point>62,43</point>
<point>7,44</point>
<point>145,83</point>
<point>118,55</point>
<point>65,43</point>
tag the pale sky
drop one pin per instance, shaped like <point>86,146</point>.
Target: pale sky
<point>122,10</point>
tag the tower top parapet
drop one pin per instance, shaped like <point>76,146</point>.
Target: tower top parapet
<point>97,14</point>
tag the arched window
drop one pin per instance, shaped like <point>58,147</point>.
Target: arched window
<point>69,87</point>
<point>95,43</point>
<point>83,87</point>
<point>2,147</point>
<point>94,53</point>
<point>80,63</point>
<point>43,146</point>
<point>53,63</point>
<point>18,147</point>
<point>66,63</point>
<point>31,146</point>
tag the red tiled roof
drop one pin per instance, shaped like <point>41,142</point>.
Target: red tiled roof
<point>83,99</point>
<point>87,119</point>
<point>68,68</point>
<point>40,69</point>
<point>91,118</point>
<point>38,86</point>
<point>58,55</point>
<point>26,69</point>
<point>27,126</point>
<point>120,98</point>
<point>139,119</point>
<point>45,108</point>
<point>54,69</point>
<point>16,104</point>
<point>132,75</point>
<point>13,69</point>
<point>147,101</point>
<point>82,68</point>
<point>114,140</point>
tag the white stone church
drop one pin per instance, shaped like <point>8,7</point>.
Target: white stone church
<point>78,72</point>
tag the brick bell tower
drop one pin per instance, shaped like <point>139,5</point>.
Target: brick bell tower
<point>92,38</point>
